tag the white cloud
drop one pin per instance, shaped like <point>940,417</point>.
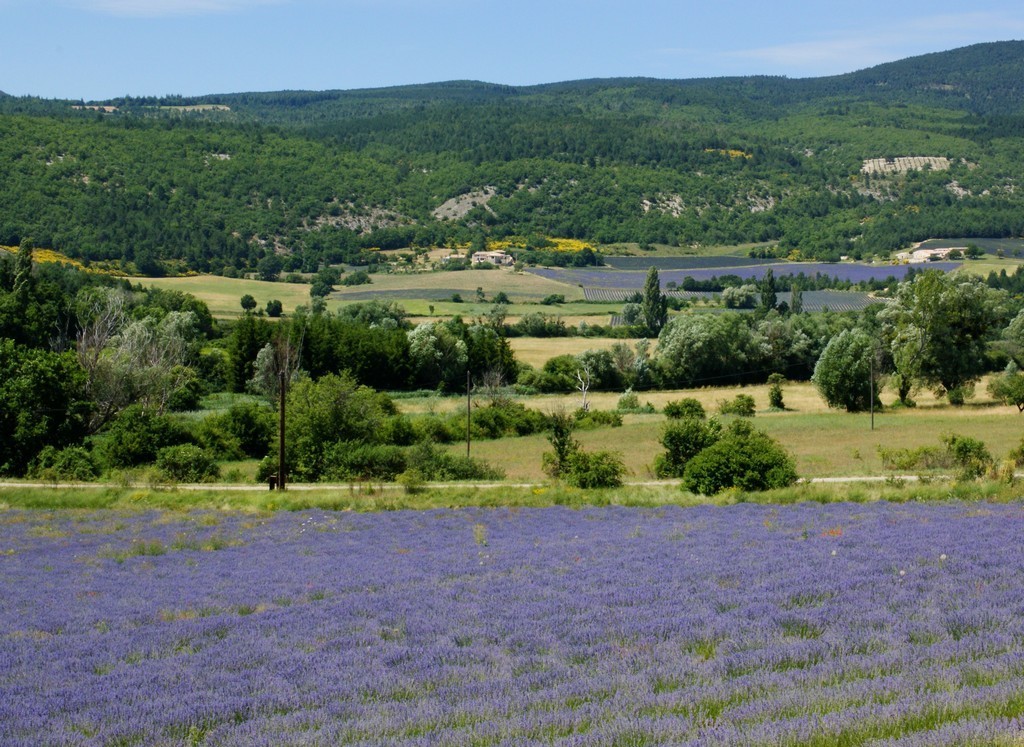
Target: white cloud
<point>159,8</point>
<point>886,42</point>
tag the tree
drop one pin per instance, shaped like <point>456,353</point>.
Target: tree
<point>844,370</point>
<point>556,462</point>
<point>43,402</point>
<point>769,296</point>
<point>325,413</point>
<point>775,382</point>
<point>683,439</point>
<point>1008,387</point>
<point>248,302</point>
<point>274,308</point>
<point>938,327</point>
<point>742,458</point>
<point>653,304</point>
<point>269,268</point>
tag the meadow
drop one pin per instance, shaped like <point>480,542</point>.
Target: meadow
<point>844,624</point>
<point>824,442</point>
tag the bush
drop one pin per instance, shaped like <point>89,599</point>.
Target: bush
<point>500,419</point>
<point>742,458</point>
<point>742,405</point>
<point>439,429</point>
<point>556,463</point>
<point>436,464</point>
<point>359,277</point>
<point>688,407</point>
<point>628,401</point>
<point>923,457</point>
<point>775,381</point>
<point>595,469</point>
<point>363,461</point>
<point>187,463</point>
<point>683,440</point>
<point>970,455</point>
<point>74,463</point>
<point>137,435</point>
<point>589,419</point>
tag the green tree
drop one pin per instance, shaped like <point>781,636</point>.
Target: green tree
<point>247,338</point>
<point>769,296</point>
<point>775,382</point>
<point>653,304</point>
<point>556,463</point>
<point>938,327</point>
<point>843,372</point>
<point>274,308</point>
<point>248,302</point>
<point>684,439</point>
<point>1008,387</point>
<point>742,458</point>
<point>325,413</point>
<point>43,402</point>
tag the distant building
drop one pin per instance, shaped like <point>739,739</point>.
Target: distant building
<point>494,258</point>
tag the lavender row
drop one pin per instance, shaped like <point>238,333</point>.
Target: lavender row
<point>634,280</point>
<point>855,624</point>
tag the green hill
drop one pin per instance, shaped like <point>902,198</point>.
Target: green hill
<point>806,166</point>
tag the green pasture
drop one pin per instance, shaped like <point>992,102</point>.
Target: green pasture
<point>223,295</point>
<point>412,291</point>
<point>824,442</point>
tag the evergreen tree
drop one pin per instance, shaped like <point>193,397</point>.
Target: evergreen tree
<point>769,296</point>
<point>653,304</point>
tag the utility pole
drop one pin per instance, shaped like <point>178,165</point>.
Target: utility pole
<point>871,388</point>
<point>282,379</point>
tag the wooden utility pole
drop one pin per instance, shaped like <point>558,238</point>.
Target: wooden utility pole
<point>282,379</point>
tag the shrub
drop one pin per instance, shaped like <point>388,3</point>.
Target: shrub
<point>589,419</point>
<point>74,463</point>
<point>688,407</point>
<point>969,454</point>
<point>502,418</point>
<point>775,381</point>
<point>923,457</point>
<point>595,469</point>
<point>742,458</point>
<point>359,277</point>
<point>363,461</point>
<point>683,440</point>
<point>628,401</point>
<point>439,429</point>
<point>742,405</point>
<point>556,463</point>
<point>187,463</point>
<point>137,435</point>
<point>247,429</point>
<point>436,464</point>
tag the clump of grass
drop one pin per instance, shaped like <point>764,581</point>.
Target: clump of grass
<point>138,548</point>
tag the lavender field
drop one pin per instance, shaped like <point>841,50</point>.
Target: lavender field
<point>634,279</point>
<point>845,624</point>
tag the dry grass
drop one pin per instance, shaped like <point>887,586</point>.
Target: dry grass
<point>525,290</point>
<point>536,351</point>
<point>223,295</point>
<point>824,442</point>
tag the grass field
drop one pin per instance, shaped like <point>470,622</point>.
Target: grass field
<point>824,442</point>
<point>420,294</point>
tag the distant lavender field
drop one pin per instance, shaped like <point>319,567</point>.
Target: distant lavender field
<point>634,280</point>
<point>875,624</point>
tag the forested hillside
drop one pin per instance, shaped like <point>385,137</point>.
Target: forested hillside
<point>218,182</point>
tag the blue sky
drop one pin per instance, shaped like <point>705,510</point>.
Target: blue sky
<point>99,49</point>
